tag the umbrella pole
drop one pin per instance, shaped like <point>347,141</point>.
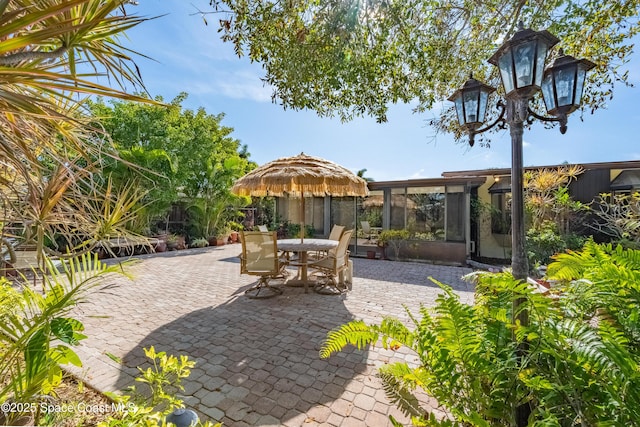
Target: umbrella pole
<point>302,218</point>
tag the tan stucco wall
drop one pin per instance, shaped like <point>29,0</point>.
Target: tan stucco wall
<point>491,245</point>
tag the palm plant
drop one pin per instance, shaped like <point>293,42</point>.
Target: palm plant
<point>52,53</point>
<point>36,332</point>
<point>214,206</point>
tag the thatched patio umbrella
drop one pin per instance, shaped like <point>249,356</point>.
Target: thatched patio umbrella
<point>301,176</point>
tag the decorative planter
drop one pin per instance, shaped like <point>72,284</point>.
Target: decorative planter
<point>161,246</point>
<point>216,241</point>
<point>234,236</point>
<point>371,254</point>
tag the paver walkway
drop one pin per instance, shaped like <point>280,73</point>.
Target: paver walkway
<point>257,361</point>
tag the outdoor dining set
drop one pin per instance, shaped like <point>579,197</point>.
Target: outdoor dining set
<point>328,259</point>
<point>322,263</point>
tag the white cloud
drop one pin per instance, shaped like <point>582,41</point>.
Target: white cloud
<point>243,85</point>
<point>418,174</point>
<point>526,144</point>
<point>238,85</point>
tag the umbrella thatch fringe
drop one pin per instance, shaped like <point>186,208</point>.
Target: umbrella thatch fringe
<point>302,174</point>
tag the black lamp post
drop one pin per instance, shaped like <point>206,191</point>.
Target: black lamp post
<point>521,61</point>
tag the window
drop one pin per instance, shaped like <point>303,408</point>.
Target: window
<point>500,213</point>
<point>398,202</point>
<point>425,212</point>
<point>455,214</point>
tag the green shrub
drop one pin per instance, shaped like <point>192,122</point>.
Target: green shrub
<point>543,243</point>
<point>199,243</point>
<point>161,383</point>
<point>37,334</point>
<point>574,363</point>
<point>293,230</point>
<point>394,238</point>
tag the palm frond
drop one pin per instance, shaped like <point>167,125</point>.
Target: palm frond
<point>28,359</point>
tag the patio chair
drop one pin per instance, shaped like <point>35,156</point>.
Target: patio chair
<point>336,233</point>
<point>367,230</point>
<point>335,264</point>
<point>260,258</point>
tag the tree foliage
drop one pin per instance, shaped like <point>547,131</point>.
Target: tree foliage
<point>173,153</point>
<point>355,57</point>
<point>553,216</point>
<point>547,197</point>
<point>617,215</point>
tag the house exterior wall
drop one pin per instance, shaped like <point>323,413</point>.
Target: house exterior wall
<point>325,212</point>
<point>595,179</point>
<point>488,244</point>
<point>590,184</point>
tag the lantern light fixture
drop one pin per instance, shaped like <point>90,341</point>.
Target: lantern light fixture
<point>563,84</point>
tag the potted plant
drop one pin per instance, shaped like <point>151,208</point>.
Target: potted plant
<point>172,242</point>
<point>234,235</point>
<point>393,238</point>
<point>222,234</point>
<point>160,246</point>
<point>200,242</point>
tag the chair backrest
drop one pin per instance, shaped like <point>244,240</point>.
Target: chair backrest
<point>263,229</point>
<point>259,253</point>
<point>365,226</point>
<point>336,232</point>
<point>343,248</point>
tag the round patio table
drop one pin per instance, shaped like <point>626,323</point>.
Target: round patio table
<point>303,247</point>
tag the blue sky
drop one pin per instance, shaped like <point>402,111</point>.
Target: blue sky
<point>189,56</point>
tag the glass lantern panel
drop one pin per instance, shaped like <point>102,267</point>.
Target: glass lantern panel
<point>580,85</point>
<point>484,96</point>
<point>540,60</point>
<point>471,105</point>
<point>524,62</point>
<point>459,109</point>
<point>505,64</point>
<point>565,83</point>
<point>547,92</point>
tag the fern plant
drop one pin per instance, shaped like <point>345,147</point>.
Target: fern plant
<point>573,363</point>
<point>605,283</point>
<point>468,360</point>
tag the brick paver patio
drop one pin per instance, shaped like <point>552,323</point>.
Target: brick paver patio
<point>257,361</point>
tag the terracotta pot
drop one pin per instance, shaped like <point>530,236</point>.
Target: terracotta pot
<point>371,254</point>
<point>161,246</point>
<point>215,241</point>
<point>234,236</point>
